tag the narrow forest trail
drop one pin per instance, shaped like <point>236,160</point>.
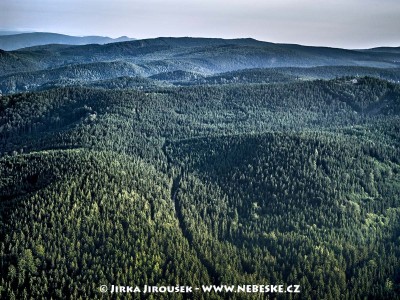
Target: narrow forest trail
<point>176,181</point>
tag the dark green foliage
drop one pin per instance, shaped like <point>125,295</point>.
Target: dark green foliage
<point>68,75</point>
<point>78,218</point>
<point>331,72</point>
<point>292,207</point>
<point>178,76</point>
<point>248,177</point>
<point>138,83</point>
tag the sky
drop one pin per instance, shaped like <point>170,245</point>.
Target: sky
<point>336,23</point>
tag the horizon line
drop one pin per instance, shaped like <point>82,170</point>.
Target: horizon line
<point>23,31</point>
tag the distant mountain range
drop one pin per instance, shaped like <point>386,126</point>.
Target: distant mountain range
<point>11,41</point>
<point>183,61</point>
<point>10,32</point>
<point>192,161</point>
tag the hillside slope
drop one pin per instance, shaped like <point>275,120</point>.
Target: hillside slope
<point>212,55</point>
<point>185,161</point>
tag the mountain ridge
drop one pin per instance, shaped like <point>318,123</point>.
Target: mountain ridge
<point>23,40</point>
<point>204,55</point>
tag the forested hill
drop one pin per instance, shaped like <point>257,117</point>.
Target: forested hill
<point>172,72</point>
<point>186,161</point>
<point>210,55</point>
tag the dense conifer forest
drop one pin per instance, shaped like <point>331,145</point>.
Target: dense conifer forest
<point>195,162</point>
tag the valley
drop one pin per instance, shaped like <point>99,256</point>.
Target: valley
<point>191,161</point>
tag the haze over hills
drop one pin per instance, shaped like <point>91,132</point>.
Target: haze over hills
<point>385,49</point>
<point>187,61</point>
<point>10,41</point>
<point>10,32</point>
<point>195,161</point>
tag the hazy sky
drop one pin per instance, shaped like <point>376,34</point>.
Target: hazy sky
<point>338,23</point>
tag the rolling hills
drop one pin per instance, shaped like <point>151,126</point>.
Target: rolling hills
<point>209,55</point>
<point>188,161</point>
